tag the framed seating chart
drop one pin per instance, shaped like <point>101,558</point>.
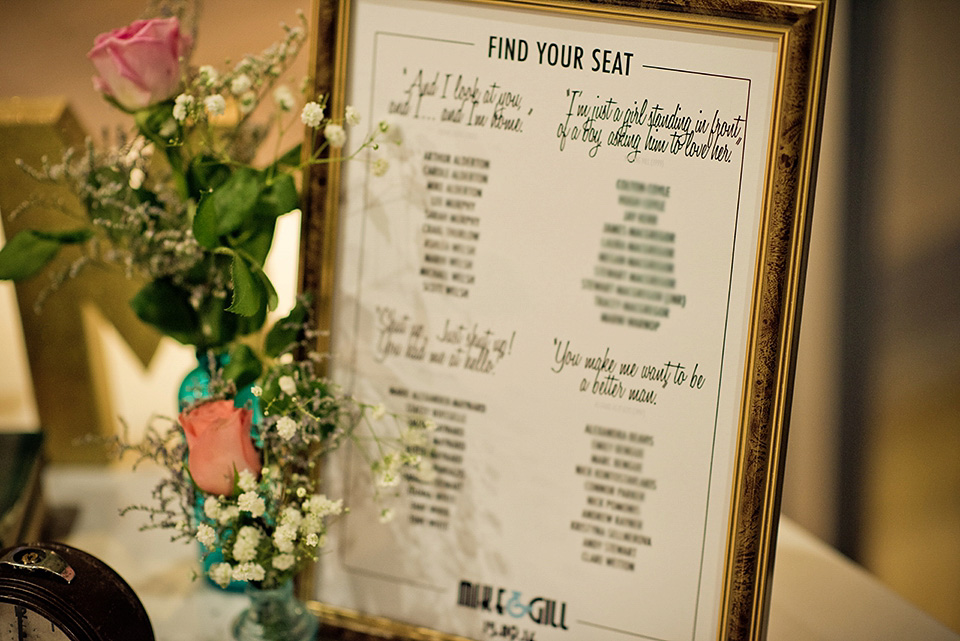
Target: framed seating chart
<point>584,267</point>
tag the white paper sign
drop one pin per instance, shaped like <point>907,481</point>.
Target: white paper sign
<point>557,270</point>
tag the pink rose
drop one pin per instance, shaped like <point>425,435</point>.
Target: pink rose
<point>139,65</point>
<point>218,438</point>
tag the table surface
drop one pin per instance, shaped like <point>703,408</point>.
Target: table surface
<point>818,595</point>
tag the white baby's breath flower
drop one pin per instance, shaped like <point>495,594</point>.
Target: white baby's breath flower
<point>137,149</point>
<point>388,478</point>
<point>284,536</point>
<point>351,116</point>
<point>386,515</point>
<point>291,515</point>
<point>286,428</point>
<point>249,572</point>
<point>245,64</point>
<point>320,505</point>
<point>283,561</point>
<point>426,472</point>
<point>208,75</point>
<point>312,524</point>
<point>221,574</point>
<point>136,178</point>
<point>379,167</point>
<point>313,540</point>
<point>284,98</point>
<point>387,470</point>
<point>335,135</point>
<point>384,126</point>
<point>414,437</point>
<point>240,84</point>
<point>287,385</point>
<point>228,513</point>
<point>182,106</point>
<point>312,114</point>
<point>252,503</point>
<point>215,105</point>
<point>206,535</point>
<point>168,129</point>
<point>247,102</point>
<point>211,508</point>
<point>245,547</point>
<point>246,481</point>
<point>257,391</point>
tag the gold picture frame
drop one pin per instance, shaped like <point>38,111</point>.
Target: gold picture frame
<point>795,37</point>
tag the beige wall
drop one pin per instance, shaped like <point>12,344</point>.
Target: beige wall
<point>912,493</point>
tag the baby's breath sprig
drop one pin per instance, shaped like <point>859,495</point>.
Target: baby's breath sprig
<point>275,520</point>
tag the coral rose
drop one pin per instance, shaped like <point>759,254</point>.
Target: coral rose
<point>139,65</point>
<point>218,438</point>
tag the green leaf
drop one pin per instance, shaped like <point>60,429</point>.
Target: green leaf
<point>205,224</point>
<point>228,207</point>
<point>286,331</point>
<point>206,173</point>
<point>272,298</point>
<point>167,307</point>
<point>243,366</point>
<point>249,324</point>
<point>279,197</point>
<point>26,254</point>
<point>67,236</point>
<point>219,326</point>
<point>31,250</point>
<point>257,242</point>
<point>248,291</point>
<point>236,199</point>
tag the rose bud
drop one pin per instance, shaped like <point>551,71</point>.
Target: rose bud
<point>139,65</point>
<point>219,443</point>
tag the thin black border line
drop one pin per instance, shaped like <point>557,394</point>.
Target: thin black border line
<point>723,350</point>
<point>393,579</point>
<point>619,631</point>
<point>397,34</point>
<point>698,73</point>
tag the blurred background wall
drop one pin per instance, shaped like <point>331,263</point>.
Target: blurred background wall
<point>874,445</point>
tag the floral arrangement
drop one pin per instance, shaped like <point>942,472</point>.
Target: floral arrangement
<point>248,485</point>
<point>179,203</point>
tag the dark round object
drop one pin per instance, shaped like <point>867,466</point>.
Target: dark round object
<point>51,591</point>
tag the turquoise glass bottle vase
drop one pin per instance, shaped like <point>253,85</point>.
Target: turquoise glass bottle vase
<point>275,615</point>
